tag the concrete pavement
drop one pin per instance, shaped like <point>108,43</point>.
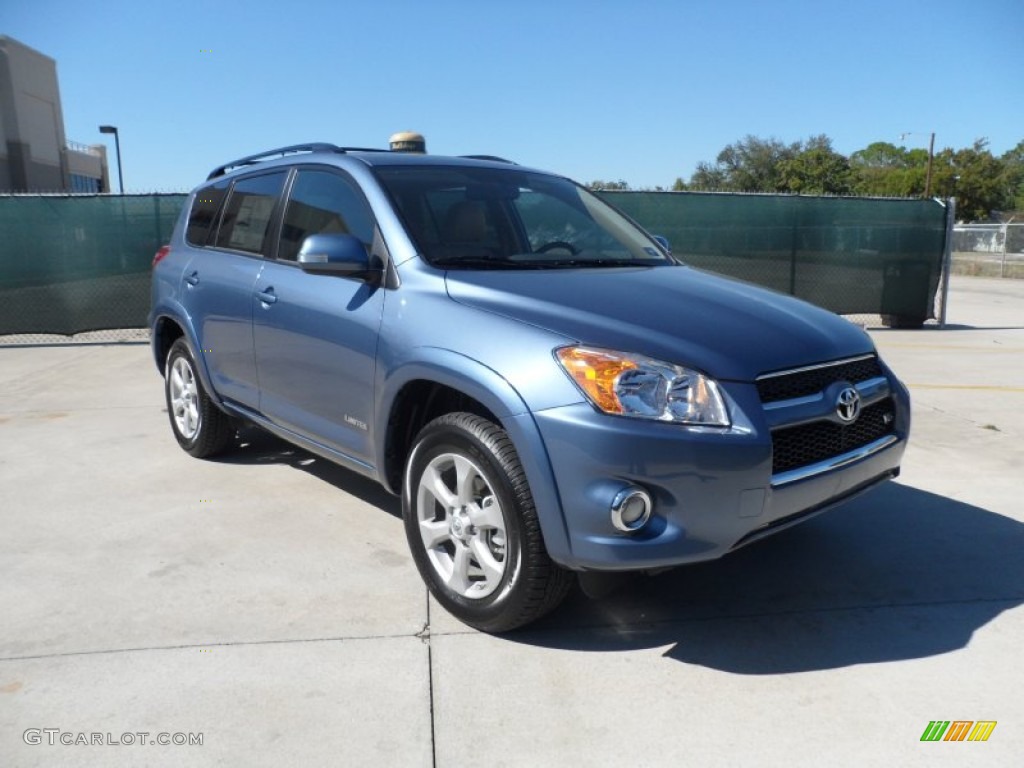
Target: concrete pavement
<point>267,600</point>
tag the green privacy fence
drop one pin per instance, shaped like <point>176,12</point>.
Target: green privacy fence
<point>70,264</point>
<point>79,263</point>
<point>849,255</point>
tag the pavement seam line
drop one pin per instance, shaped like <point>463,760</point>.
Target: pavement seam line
<point>643,626</point>
<point>425,637</point>
<point>425,633</point>
<point>236,644</point>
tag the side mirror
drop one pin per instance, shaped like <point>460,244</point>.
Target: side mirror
<point>343,255</point>
<point>663,242</point>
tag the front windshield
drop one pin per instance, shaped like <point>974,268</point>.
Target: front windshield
<point>498,218</point>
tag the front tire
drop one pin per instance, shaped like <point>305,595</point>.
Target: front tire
<point>199,426</point>
<point>473,529</point>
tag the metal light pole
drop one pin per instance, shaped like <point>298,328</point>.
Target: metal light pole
<point>117,145</point>
<point>931,157</point>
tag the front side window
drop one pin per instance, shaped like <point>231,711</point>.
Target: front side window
<point>491,218</point>
<point>249,209</point>
<point>322,202</point>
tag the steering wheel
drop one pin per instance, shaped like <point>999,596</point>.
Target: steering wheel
<point>557,244</point>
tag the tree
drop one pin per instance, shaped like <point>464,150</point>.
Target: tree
<point>1013,176</point>
<point>881,155</point>
<point>981,182</point>
<point>598,185</point>
<point>753,164</point>
<point>770,165</point>
<point>707,177</point>
<point>975,178</point>
<point>816,169</point>
<point>885,170</point>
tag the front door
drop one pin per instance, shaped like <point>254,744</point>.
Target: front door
<point>316,335</point>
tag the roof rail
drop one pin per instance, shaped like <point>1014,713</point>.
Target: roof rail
<point>493,158</point>
<point>314,147</point>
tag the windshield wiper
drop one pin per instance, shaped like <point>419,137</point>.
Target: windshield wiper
<point>475,262</point>
<point>572,263</point>
<point>479,262</point>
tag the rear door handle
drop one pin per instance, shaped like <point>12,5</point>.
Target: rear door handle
<point>192,279</point>
<point>267,296</point>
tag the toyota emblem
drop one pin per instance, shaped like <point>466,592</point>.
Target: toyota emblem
<point>848,405</point>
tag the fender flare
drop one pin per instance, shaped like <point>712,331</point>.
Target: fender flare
<point>487,386</point>
<point>172,311</point>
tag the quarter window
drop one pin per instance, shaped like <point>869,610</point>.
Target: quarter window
<point>249,211</point>
<point>323,203</point>
<point>203,216</point>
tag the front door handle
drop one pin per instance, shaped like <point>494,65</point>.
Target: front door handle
<point>267,296</point>
<point>192,279</point>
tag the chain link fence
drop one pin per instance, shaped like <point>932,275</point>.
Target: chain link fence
<point>77,267</point>
<point>989,250</point>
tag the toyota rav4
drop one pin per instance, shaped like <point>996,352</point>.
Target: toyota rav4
<point>546,387</point>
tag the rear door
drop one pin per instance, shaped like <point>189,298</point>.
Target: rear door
<point>316,335</point>
<point>219,281</point>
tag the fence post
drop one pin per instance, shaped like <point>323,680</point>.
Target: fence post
<point>794,233</point>
<point>947,261</point>
<point>1002,264</point>
<point>156,223</point>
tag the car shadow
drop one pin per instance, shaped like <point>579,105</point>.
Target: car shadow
<point>257,446</point>
<point>898,573</point>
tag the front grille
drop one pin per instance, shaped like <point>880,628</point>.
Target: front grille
<point>786,386</point>
<point>795,447</point>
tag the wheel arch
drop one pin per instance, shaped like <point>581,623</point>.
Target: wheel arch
<point>168,327</point>
<point>442,381</point>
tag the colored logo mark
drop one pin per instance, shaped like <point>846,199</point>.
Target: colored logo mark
<point>958,730</point>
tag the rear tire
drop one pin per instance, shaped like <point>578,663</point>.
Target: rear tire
<point>473,529</point>
<point>199,426</point>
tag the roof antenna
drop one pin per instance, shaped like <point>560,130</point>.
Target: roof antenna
<point>409,141</point>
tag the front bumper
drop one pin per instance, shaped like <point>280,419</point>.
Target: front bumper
<point>713,489</point>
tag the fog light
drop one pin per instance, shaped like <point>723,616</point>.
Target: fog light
<point>631,509</point>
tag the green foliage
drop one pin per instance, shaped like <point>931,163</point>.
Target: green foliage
<point>769,165</point>
<point>817,169</point>
<point>597,185</point>
<point>981,182</point>
<point>1013,175</point>
<point>754,164</point>
<point>976,179</point>
<point>707,177</point>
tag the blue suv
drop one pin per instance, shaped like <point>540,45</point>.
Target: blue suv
<point>545,386</point>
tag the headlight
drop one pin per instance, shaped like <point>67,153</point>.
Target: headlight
<point>633,385</point>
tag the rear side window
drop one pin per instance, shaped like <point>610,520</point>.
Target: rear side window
<point>249,209</point>
<point>205,209</point>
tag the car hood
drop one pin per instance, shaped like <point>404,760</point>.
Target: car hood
<point>726,328</point>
